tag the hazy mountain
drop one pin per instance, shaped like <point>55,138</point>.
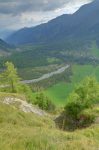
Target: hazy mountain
<point>80,27</point>
<point>5,48</point>
<point>5,33</point>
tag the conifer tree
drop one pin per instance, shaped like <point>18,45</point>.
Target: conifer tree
<point>10,77</point>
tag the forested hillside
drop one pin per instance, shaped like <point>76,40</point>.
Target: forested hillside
<point>4,48</point>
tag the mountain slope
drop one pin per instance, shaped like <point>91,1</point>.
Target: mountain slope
<point>3,45</point>
<point>4,48</point>
<point>81,26</point>
<point>28,131</point>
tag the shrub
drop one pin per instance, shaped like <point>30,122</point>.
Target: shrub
<point>44,102</point>
<point>86,118</point>
<point>84,97</point>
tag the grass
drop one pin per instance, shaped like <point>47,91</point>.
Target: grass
<point>26,131</point>
<point>59,92</point>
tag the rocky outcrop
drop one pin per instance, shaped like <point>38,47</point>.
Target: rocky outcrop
<point>23,106</point>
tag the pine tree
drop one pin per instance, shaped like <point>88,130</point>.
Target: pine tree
<point>10,77</point>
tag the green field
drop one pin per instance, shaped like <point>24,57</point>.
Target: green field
<point>59,92</point>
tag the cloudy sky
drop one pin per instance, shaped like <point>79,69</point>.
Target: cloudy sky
<point>15,14</point>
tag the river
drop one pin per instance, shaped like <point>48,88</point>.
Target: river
<point>48,75</point>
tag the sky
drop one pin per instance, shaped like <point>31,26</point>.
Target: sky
<point>16,14</point>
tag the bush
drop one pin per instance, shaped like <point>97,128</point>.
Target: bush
<point>84,97</point>
<point>86,118</point>
<point>26,90</point>
<point>44,102</point>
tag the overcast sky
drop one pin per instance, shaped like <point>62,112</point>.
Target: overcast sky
<point>15,14</point>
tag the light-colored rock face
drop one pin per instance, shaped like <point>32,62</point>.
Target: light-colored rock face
<point>24,106</point>
<point>48,75</point>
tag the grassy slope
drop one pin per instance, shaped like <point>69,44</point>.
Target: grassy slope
<point>21,131</point>
<point>59,92</point>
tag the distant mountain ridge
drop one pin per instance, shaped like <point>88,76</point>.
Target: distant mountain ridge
<point>5,48</point>
<point>82,26</point>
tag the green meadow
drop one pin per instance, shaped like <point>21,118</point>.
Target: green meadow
<point>59,92</point>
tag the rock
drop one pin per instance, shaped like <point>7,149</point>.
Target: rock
<point>24,106</point>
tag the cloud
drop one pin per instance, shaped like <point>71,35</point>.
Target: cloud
<point>20,6</point>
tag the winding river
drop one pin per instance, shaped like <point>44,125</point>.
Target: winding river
<point>48,75</point>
